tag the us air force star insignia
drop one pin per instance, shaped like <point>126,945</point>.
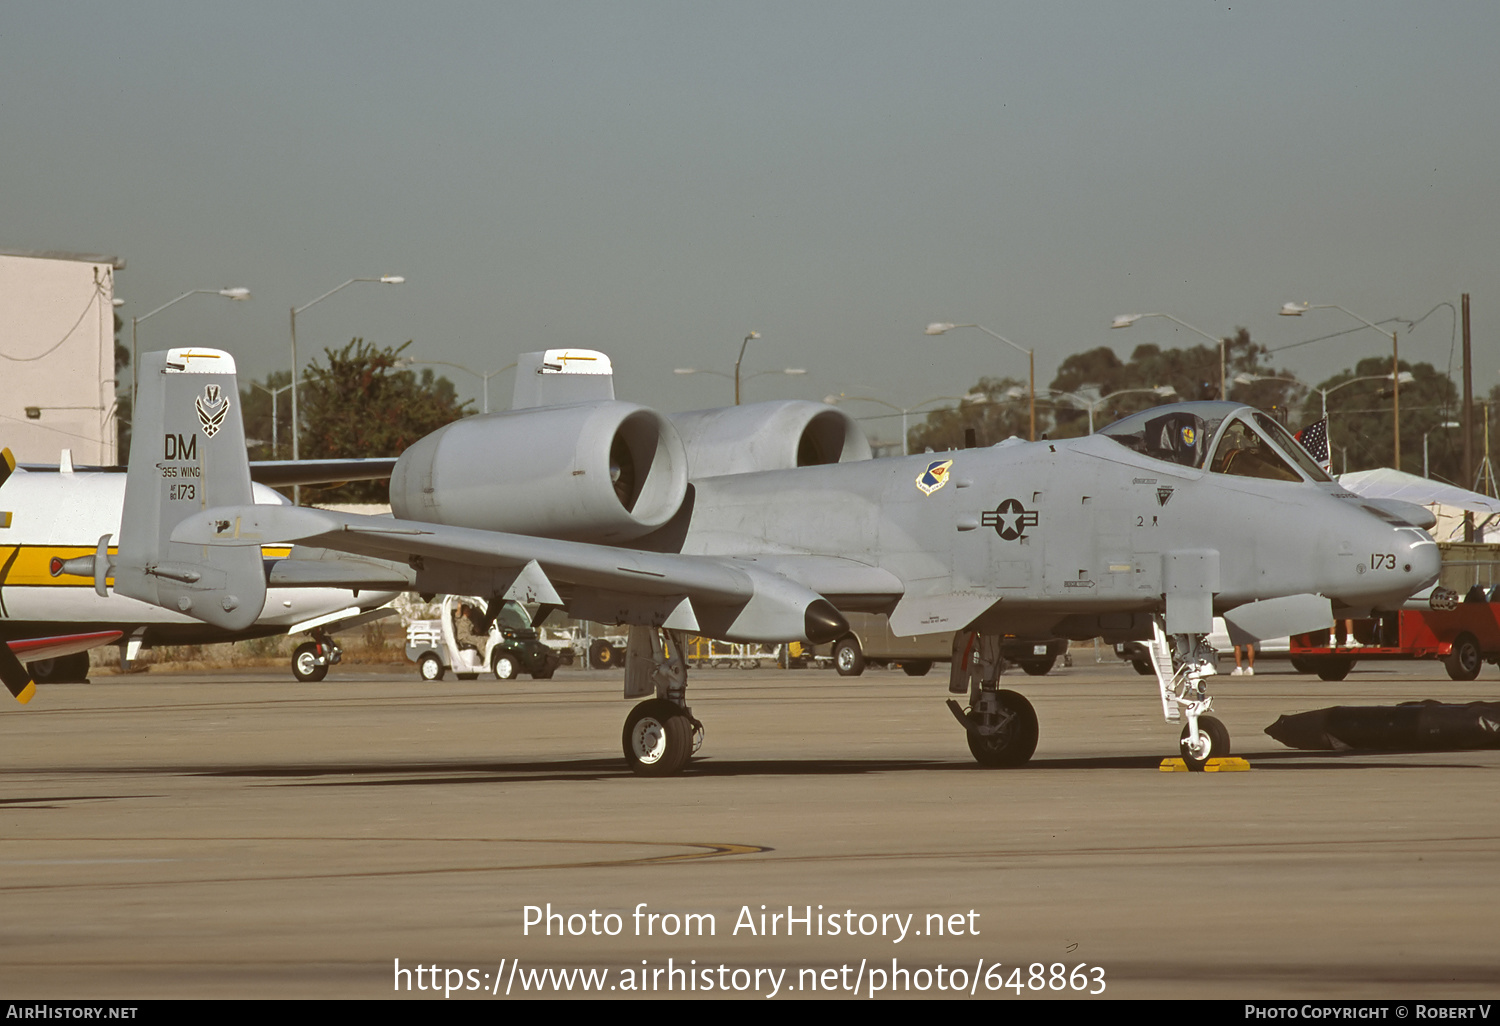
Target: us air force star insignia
<point>211,408</point>
<point>1010,519</point>
<point>934,477</point>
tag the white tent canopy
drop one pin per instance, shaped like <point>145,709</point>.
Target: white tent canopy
<point>1448,502</point>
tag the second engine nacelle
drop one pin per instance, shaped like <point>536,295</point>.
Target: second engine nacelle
<point>777,435</point>
<point>606,471</point>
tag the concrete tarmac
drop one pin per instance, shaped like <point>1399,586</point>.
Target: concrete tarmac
<point>241,835</point>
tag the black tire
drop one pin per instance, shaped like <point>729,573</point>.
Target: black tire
<point>1465,660</point>
<point>848,660</point>
<point>657,739</point>
<point>917,667</point>
<point>69,669</point>
<point>1302,664</point>
<point>430,668</point>
<point>1334,668</point>
<point>1039,667</point>
<point>1218,743</point>
<point>1144,668</point>
<point>305,663</point>
<point>505,666</point>
<point>601,654</point>
<point>1015,743</point>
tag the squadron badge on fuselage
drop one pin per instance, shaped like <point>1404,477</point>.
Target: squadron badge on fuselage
<point>934,477</point>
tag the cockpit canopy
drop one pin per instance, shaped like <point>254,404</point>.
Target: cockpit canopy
<point>1220,437</point>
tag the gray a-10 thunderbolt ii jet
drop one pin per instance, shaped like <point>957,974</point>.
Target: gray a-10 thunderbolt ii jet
<point>764,523</point>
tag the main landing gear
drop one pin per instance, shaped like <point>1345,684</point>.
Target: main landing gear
<point>1183,663</point>
<point>660,733</point>
<point>1001,725</point>
<point>312,659</point>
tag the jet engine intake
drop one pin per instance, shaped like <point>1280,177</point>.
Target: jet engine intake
<point>776,435</point>
<point>605,471</point>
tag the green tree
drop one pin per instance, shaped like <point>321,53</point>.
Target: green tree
<point>1095,374</point>
<point>364,403</point>
<point>1359,418</point>
<point>1192,373</point>
<point>1002,413</point>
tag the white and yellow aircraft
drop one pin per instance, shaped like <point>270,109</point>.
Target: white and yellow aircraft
<point>52,523</point>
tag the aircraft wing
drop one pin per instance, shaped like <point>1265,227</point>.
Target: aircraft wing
<point>281,473</point>
<point>275,473</point>
<point>776,597</point>
<point>18,680</point>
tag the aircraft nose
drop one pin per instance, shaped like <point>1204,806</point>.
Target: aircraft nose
<point>1426,561</point>
<point>1411,562</point>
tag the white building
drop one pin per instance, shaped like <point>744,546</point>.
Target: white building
<point>57,356</point>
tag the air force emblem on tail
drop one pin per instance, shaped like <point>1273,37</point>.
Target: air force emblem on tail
<point>211,407</point>
<point>934,477</point>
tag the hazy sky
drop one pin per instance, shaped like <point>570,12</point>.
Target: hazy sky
<point>656,179</point>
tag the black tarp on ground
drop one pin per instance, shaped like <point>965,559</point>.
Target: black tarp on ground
<point>1426,726</point>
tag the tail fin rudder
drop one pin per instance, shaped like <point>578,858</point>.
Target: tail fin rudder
<point>187,453</point>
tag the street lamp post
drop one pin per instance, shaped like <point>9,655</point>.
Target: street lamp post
<point>790,371</point>
<point>972,397</point>
<point>1162,391</point>
<point>1297,309</point>
<point>1444,424</point>
<point>273,393</point>
<point>753,334</point>
<point>389,279</point>
<point>485,378</point>
<point>942,327</point>
<point>1126,320</point>
<point>235,293</point>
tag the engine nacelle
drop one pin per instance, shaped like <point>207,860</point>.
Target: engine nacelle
<point>605,471</point>
<point>776,435</point>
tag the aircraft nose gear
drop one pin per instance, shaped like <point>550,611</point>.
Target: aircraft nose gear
<point>1211,742</point>
<point>661,733</point>
<point>1000,725</point>
<point>1183,663</point>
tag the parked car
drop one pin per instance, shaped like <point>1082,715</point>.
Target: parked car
<point>870,641</point>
